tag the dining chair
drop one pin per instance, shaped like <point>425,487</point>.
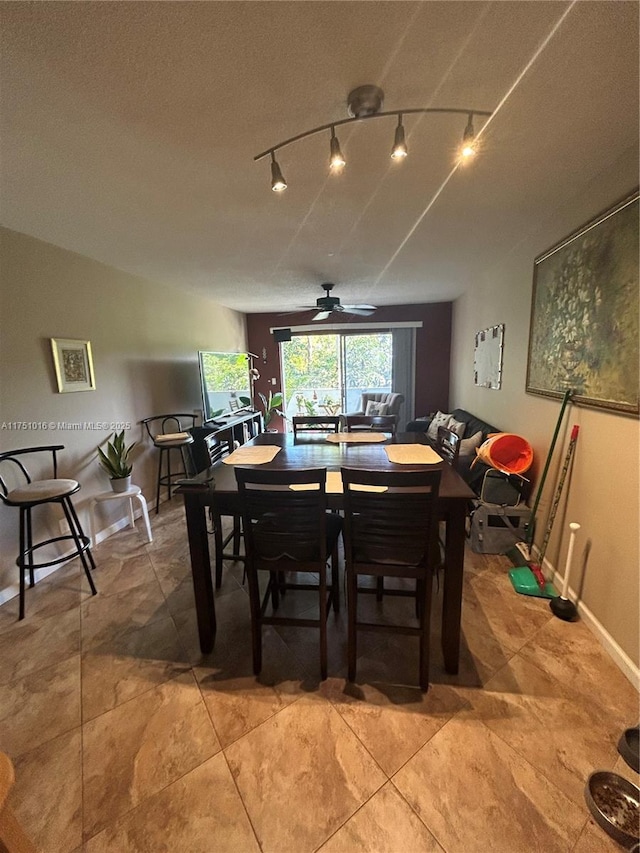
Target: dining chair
<point>315,424</point>
<point>18,488</point>
<point>216,451</point>
<point>287,529</point>
<point>448,445</point>
<point>170,432</point>
<point>375,423</point>
<point>390,534</point>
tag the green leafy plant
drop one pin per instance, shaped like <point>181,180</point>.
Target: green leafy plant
<point>116,459</point>
<point>271,406</point>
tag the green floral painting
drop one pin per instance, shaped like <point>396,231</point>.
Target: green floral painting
<point>584,332</point>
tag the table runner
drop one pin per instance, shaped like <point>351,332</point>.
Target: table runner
<point>258,454</point>
<point>355,437</point>
<point>412,454</point>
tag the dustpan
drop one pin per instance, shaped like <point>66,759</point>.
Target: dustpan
<point>524,582</point>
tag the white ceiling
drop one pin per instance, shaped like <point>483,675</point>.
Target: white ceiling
<point>129,131</point>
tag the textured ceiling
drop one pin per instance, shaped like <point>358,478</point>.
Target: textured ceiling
<point>129,131</point>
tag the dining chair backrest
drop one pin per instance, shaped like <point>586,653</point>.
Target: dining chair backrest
<point>375,423</point>
<point>395,527</point>
<point>448,445</point>
<point>315,423</point>
<point>284,524</point>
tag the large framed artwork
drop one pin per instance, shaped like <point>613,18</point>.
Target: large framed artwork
<point>73,364</point>
<point>584,314</point>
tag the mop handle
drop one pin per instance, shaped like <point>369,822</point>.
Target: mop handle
<point>565,400</point>
<point>558,495</point>
<point>574,527</point>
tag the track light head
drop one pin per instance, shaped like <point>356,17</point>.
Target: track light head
<point>468,139</point>
<point>278,183</point>
<point>399,150</point>
<point>336,160</point>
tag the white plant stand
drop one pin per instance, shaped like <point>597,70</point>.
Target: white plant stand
<point>131,493</point>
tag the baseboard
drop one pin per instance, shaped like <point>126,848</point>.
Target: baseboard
<point>13,589</point>
<point>619,656</point>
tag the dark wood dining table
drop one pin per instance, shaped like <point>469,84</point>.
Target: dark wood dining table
<point>218,485</point>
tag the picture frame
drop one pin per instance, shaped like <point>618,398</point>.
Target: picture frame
<point>584,331</point>
<point>73,364</point>
<point>487,357</point>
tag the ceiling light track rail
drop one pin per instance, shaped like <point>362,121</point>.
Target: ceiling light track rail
<point>364,103</point>
<point>396,113</point>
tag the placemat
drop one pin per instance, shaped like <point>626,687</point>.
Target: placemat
<point>334,485</point>
<point>355,437</point>
<point>412,454</point>
<point>258,454</point>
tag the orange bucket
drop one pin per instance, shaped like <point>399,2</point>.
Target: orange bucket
<point>507,452</point>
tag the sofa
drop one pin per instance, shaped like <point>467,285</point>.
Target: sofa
<point>475,432</point>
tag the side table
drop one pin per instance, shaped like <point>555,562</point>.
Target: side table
<point>131,493</point>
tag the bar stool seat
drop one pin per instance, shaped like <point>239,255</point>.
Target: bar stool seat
<point>30,493</point>
<point>131,493</point>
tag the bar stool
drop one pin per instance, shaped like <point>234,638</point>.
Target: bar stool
<point>168,433</point>
<point>30,493</point>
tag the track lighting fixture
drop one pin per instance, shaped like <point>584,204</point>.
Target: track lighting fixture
<point>399,149</point>
<point>336,160</point>
<point>363,103</point>
<point>469,139</point>
<point>278,183</point>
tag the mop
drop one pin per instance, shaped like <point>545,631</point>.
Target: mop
<point>530,580</point>
<point>523,549</point>
<point>562,606</point>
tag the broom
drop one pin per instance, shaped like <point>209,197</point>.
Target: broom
<point>529,579</point>
<point>523,549</point>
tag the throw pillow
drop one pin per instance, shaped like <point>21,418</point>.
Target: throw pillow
<point>438,420</point>
<point>456,426</point>
<point>374,409</point>
<point>468,445</point>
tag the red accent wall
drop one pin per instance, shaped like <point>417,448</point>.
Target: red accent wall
<point>433,348</point>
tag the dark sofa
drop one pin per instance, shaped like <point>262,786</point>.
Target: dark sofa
<point>473,476</point>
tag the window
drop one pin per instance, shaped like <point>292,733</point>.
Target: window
<point>326,374</point>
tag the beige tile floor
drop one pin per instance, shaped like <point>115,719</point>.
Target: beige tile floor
<point>125,738</point>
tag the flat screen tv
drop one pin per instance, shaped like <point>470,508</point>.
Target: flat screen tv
<point>225,383</point>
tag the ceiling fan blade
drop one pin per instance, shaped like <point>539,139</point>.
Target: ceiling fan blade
<point>360,310</point>
<point>321,315</point>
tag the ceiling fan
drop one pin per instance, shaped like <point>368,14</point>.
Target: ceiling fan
<point>327,305</point>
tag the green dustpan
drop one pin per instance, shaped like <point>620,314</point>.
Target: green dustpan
<point>524,582</point>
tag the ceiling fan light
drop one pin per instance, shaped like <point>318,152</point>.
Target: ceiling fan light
<point>278,183</point>
<point>336,160</point>
<point>399,149</point>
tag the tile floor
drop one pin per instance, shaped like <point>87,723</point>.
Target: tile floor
<point>125,738</point>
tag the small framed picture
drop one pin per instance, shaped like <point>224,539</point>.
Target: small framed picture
<point>73,364</point>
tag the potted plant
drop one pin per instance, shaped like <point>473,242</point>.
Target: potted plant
<point>271,406</point>
<point>116,462</point>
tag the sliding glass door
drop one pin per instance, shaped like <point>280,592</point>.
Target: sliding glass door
<point>326,374</point>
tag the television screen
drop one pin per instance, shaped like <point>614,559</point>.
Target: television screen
<point>225,383</point>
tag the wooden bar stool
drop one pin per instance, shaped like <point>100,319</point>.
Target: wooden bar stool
<point>170,432</point>
<point>17,488</point>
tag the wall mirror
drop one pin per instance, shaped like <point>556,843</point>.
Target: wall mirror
<point>487,362</point>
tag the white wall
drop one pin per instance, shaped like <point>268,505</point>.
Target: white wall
<point>604,489</point>
<point>145,338</point>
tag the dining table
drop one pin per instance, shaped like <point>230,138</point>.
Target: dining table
<point>217,486</point>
